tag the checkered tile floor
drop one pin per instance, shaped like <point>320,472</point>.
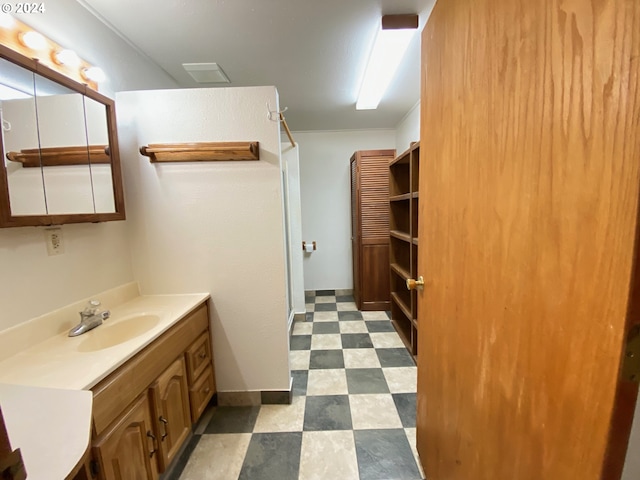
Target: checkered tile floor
<point>352,416</point>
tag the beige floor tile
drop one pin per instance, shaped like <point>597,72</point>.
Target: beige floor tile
<point>386,340</point>
<point>374,411</point>
<point>327,299</point>
<point>411,436</point>
<point>325,316</point>
<point>327,382</point>
<point>353,327</point>
<point>360,357</point>
<point>401,379</point>
<point>302,328</point>
<point>217,457</point>
<point>374,316</point>
<point>347,307</point>
<point>330,341</point>
<point>281,418</point>
<point>299,359</point>
<point>328,455</point>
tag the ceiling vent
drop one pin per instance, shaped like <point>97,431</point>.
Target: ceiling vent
<point>206,72</point>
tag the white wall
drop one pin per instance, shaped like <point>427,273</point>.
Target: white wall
<point>96,256</point>
<point>213,226</point>
<point>70,25</point>
<point>408,129</point>
<point>291,163</point>
<point>326,201</point>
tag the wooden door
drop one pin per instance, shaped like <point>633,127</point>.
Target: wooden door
<point>529,183</point>
<point>172,416</point>
<point>127,450</point>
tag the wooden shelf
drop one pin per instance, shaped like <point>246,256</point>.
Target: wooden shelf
<point>400,271</point>
<point>201,152</point>
<point>59,156</point>
<point>399,198</point>
<point>400,235</point>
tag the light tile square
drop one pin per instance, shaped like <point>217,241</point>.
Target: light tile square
<point>325,317</point>
<point>299,359</point>
<point>360,358</point>
<point>328,382</point>
<point>411,436</point>
<point>375,316</point>
<point>327,299</point>
<point>374,411</point>
<point>326,455</point>
<point>281,418</point>
<point>353,327</point>
<point>217,457</point>
<point>302,328</point>
<point>401,379</point>
<point>326,342</point>
<point>386,340</point>
<point>347,307</point>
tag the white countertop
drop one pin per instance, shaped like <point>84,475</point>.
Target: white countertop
<point>45,397</point>
<point>51,427</point>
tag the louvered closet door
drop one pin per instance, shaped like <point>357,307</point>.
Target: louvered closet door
<point>373,183</point>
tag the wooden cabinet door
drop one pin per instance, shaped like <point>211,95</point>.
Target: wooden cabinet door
<point>128,449</point>
<point>172,417</point>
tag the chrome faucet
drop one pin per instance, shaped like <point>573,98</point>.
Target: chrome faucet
<point>90,318</point>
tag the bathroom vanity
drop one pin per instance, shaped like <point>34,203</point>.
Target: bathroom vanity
<point>150,370</point>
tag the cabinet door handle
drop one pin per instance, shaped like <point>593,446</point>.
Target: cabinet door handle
<point>153,439</point>
<point>165,422</point>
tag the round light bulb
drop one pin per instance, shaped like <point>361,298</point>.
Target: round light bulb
<point>68,58</point>
<point>33,40</point>
<point>6,21</point>
<point>95,74</point>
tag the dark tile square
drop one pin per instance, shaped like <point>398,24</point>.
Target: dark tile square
<point>395,357</point>
<point>325,307</point>
<point>326,327</point>
<point>233,420</point>
<point>366,380</point>
<point>325,293</point>
<point>406,405</point>
<point>300,342</point>
<point>321,359</point>
<point>356,340</point>
<point>308,317</point>
<point>272,456</point>
<point>351,315</point>
<point>329,412</point>
<point>345,298</point>
<point>385,454</point>
<point>300,381</point>
<point>379,326</point>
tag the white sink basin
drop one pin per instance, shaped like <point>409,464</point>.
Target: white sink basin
<point>110,334</point>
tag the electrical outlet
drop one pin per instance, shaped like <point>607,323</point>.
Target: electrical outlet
<point>55,241</point>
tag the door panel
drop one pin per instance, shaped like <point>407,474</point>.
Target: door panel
<point>528,208</point>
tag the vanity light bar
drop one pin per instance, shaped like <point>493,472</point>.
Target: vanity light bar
<point>23,39</point>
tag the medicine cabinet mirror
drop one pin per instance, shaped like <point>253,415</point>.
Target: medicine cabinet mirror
<point>59,148</point>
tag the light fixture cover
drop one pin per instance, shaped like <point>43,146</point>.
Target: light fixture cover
<point>389,47</point>
<point>206,72</point>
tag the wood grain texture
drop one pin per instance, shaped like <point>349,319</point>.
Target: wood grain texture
<point>530,148</point>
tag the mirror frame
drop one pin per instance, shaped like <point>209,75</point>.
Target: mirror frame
<point>9,220</point>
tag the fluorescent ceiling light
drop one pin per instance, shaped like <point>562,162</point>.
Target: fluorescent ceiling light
<point>389,48</point>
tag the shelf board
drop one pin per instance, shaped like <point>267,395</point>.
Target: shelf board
<point>403,306</point>
<point>201,151</point>
<point>58,156</point>
<point>401,197</point>
<point>414,240</point>
<point>401,235</point>
<point>400,271</point>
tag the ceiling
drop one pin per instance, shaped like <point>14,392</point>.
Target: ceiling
<point>313,51</point>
